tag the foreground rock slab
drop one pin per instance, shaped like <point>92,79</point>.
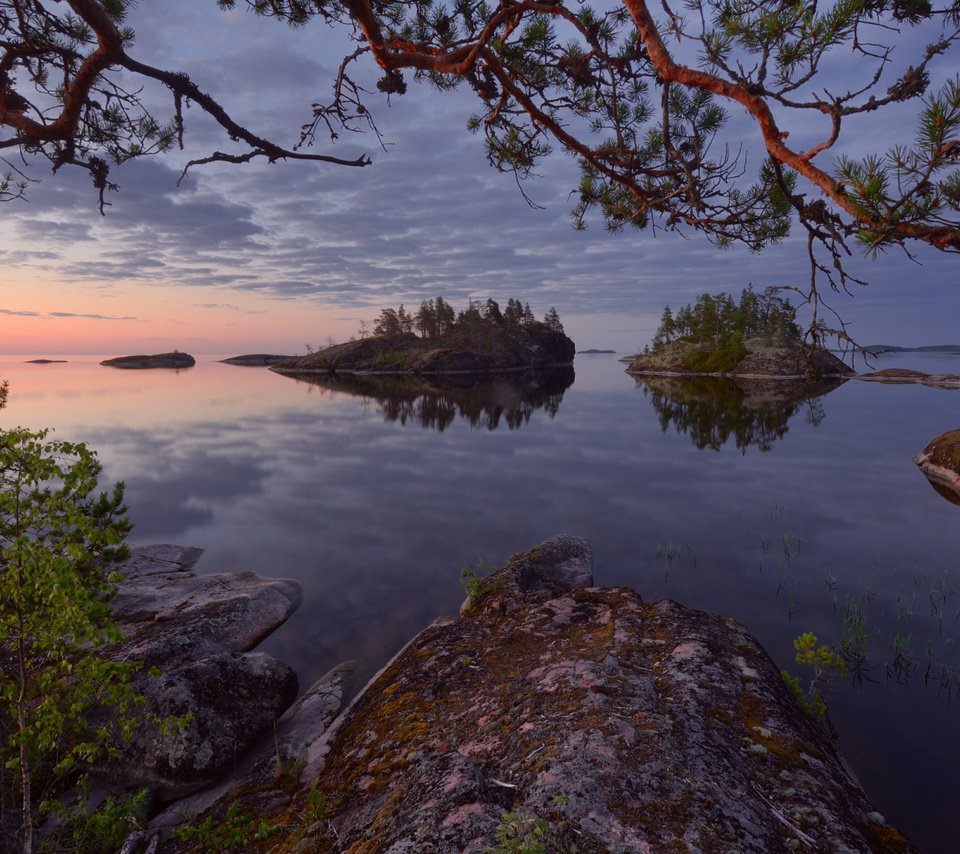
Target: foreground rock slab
<point>158,360</point>
<point>197,630</point>
<point>578,718</point>
<point>940,462</point>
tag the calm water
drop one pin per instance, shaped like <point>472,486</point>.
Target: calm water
<point>788,515</point>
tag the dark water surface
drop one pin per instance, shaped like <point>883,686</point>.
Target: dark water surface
<point>789,514</point>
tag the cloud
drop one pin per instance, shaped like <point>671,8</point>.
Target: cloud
<point>88,316</point>
<point>428,218</point>
<point>9,313</point>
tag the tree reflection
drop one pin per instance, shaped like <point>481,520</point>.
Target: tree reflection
<point>435,401</point>
<point>713,410</point>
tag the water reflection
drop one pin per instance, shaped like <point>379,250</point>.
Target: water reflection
<point>711,410</point>
<point>435,401</point>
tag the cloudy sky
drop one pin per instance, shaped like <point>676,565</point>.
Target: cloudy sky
<point>270,258</point>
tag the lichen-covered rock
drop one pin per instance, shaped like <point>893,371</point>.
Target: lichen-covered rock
<point>581,718</point>
<point>940,461</point>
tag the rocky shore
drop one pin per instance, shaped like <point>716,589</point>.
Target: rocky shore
<point>549,711</point>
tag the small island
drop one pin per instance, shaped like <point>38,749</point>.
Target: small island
<point>594,352</point>
<point>45,361</point>
<point>256,360</point>
<point>158,360</point>
<point>756,336</point>
<point>480,339</point>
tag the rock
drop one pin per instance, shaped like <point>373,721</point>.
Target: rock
<point>256,359</point>
<point>277,757</point>
<point>593,352</point>
<point>779,359</point>
<point>171,615</point>
<point>222,703</point>
<point>197,631</point>
<point>940,461</point>
<point>45,361</point>
<point>486,348</point>
<point>574,717</point>
<point>159,360</point>
<point>905,375</point>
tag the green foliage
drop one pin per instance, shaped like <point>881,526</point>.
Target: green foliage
<point>824,662</point>
<point>234,832</point>
<point>714,329</point>
<point>101,831</point>
<point>58,538</point>
<point>473,580</point>
<point>437,318</point>
<point>522,834</point>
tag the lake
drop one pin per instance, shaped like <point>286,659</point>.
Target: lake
<point>788,515</point>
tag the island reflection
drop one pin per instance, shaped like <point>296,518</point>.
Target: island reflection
<point>711,410</point>
<point>435,401</point>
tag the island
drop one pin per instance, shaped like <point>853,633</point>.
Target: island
<point>256,360</point>
<point>593,352</point>
<point>45,361</point>
<point>158,360</point>
<point>480,339</point>
<point>756,336</point>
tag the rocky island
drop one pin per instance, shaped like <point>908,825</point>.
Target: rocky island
<point>479,339</point>
<point>755,337</point>
<point>158,360</point>
<point>550,711</point>
<point>256,360</point>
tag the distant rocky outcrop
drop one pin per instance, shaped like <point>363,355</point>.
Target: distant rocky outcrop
<point>940,462</point>
<point>158,360</point>
<point>485,348</point>
<point>593,352</point>
<point>45,361</point>
<point>567,716</point>
<point>900,376</point>
<point>758,357</point>
<point>256,360</point>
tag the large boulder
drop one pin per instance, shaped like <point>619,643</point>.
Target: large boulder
<point>208,697</point>
<point>557,714</point>
<point>940,462</point>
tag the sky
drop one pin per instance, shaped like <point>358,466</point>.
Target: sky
<point>272,258</point>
